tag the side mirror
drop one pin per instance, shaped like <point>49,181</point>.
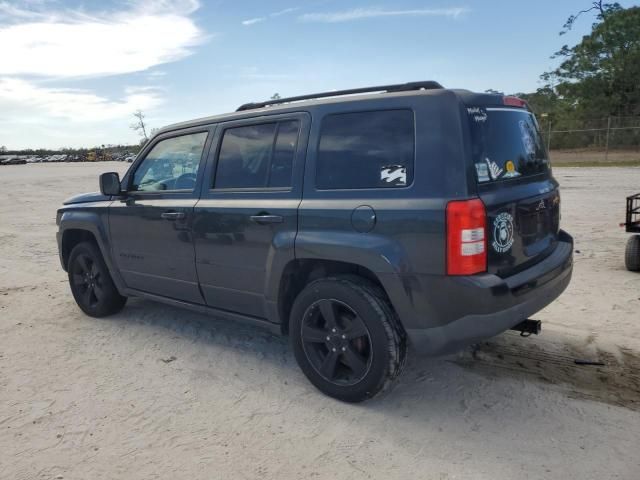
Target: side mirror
<point>110,184</point>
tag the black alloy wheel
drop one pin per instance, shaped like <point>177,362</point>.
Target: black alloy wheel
<point>346,337</point>
<point>336,342</point>
<point>91,284</point>
<point>87,280</point>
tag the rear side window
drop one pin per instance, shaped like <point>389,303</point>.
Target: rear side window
<point>506,144</point>
<point>257,156</point>
<point>366,150</point>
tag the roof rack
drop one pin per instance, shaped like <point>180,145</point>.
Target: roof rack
<point>400,87</point>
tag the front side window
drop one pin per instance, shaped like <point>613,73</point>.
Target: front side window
<point>366,150</point>
<point>172,164</point>
<point>257,156</point>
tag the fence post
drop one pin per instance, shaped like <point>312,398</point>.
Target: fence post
<point>606,145</point>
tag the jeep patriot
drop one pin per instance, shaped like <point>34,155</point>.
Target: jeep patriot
<point>357,222</point>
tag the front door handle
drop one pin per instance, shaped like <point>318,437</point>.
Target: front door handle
<point>172,215</point>
<point>265,219</point>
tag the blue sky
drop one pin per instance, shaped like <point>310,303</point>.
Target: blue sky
<point>72,73</point>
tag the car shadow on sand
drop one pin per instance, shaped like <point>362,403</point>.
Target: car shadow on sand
<point>576,366</point>
<point>547,361</point>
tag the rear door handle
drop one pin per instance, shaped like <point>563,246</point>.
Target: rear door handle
<point>172,215</point>
<point>265,219</point>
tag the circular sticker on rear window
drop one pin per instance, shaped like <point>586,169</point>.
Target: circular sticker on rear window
<point>502,232</point>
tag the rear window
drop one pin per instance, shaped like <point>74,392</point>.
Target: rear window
<point>506,144</point>
<point>366,150</point>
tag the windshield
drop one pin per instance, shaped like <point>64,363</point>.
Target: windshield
<point>506,144</point>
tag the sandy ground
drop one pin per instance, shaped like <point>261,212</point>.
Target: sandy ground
<point>156,392</point>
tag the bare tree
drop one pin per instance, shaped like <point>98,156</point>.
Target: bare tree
<point>139,125</point>
<point>3,149</point>
<point>601,8</point>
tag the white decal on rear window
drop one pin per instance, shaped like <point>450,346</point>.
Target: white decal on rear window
<point>394,174</point>
<point>483,172</point>
<point>479,114</point>
<point>527,137</point>
<point>494,169</point>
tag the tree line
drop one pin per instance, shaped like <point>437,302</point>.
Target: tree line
<point>106,149</point>
<point>597,78</point>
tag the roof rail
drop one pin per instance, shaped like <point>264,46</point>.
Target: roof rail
<point>400,87</point>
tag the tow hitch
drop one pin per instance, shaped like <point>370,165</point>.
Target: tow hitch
<point>528,327</point>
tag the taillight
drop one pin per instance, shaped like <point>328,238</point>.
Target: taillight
<point>466,237</point>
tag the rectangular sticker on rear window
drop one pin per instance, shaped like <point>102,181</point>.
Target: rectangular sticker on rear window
<point>394,175</point>
<point>483,172</point>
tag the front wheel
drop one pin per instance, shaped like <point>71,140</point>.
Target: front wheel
<point>632,254</point>
<point>347,338</point>
<point>91,283</point>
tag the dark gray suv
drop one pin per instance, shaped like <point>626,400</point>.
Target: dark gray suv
<point>354,221</point>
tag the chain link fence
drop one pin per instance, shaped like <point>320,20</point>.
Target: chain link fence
<point>609,139</point>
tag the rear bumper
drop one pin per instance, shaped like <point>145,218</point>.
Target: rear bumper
<point>465,310</point>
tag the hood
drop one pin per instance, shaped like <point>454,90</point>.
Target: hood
<point>86,198</point>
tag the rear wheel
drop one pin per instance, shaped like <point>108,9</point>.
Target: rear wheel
<point>632,254</point>
<point>346,338</point>
<point>91,283</point>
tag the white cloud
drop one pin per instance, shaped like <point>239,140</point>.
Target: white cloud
<point>78,44</point>
<point>156,73</point>
<point>284,11</point>
<point>41,45</point>
<point>253,21</point>
<point>34,116</point>
<point>26,100</point>
<point>362,13</point>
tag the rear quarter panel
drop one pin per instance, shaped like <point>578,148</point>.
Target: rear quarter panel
<point>409,236</point>
<point>409,233</point>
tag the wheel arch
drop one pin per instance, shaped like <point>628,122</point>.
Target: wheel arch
<point>300,272</point>
<point>72,237</point>
<point>79,225</point>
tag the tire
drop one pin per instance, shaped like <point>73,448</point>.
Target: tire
<point>632,254</point>
<point>91,283</point>
<point>346,338</point>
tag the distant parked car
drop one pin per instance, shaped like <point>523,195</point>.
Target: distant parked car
<point>14,161</point>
